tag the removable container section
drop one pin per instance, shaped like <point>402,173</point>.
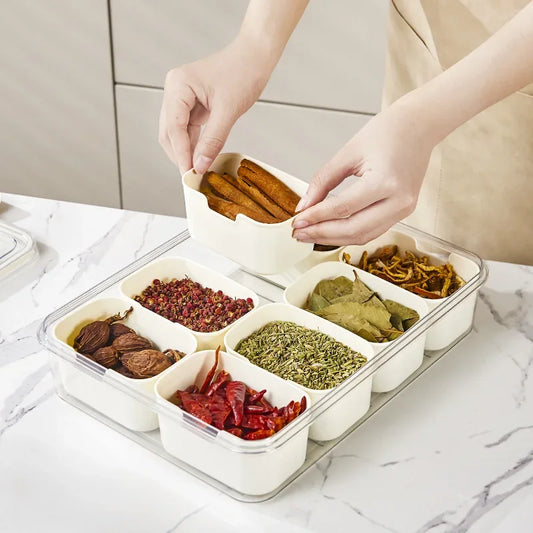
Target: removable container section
<point>297,271</point>
<point>251,467</point>
<point>261,248</point>
<point>348,409</point>
<point>16,249</point>
<point>456,312</point>
<point>169,268</point>
<point>90,387</point>
<point>405,360</point>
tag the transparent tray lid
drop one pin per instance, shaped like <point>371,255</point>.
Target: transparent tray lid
<point>16,249</point>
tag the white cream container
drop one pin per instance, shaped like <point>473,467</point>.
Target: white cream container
<point>261,248</point>
<point>295,272</point>
<point>251,467</point>
<point>348,409</point>
<point>408,359</point>
<point>104,396</point>
<point>168,268</point>
<point>459,317</point>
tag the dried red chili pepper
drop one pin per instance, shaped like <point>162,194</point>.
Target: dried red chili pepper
<point>220,409</point>
<point>222,377</point>
<point>257,409</point>
<point>235,394</point>
<point>259,434</point>
<point>255,421</point>
<point>210,374</point>
<point>235,431</point>
<point>256,396</point>
<point>231,406</point>
<point>197,405</point>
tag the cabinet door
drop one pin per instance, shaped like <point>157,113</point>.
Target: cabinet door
<point>296,139</point>
<point>335,57</point>
<point>57,127</point>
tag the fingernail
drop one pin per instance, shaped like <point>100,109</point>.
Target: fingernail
<point>299,223</point>
<point>201,163</point>
<point>301,236</point>
<point>302,204</point>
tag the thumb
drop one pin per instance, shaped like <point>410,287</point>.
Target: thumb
<point>212,140</point>
<point>329,176</point>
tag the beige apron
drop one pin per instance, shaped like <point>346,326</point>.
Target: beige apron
<point>478,191</point>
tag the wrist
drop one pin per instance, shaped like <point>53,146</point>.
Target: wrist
<point>263,50</point>
<point>430,113</point>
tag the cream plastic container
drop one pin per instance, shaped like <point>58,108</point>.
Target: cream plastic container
<point>457,312</point>
<point>104,396</point>
<point>405,361</point>
<point>352,405</point>
<point>251,467</point>
<point>168,268</point>
<point>261,248</point>
<point>294,273</point>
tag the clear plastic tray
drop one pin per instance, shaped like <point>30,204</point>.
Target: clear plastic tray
<point>16,249</point>
<point>65,358</point>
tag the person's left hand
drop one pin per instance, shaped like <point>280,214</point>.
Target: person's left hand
<point>385,163</point>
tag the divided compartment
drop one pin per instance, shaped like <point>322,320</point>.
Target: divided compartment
<point>250,467</point>
<point>458,318</point>
<point>261,248</point>
<point>347,409</point>
<point>168,268</point>
<point>95,385</point>
<point>408,358</point>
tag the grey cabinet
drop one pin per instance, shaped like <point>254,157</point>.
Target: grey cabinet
<point>296,139</point>
<point>57,126</point>
<point>335,57</point>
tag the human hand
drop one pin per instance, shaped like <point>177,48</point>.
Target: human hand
<point>214,91</point>
<point>385,163</point>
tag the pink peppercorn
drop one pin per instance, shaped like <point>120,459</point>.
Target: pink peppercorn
<point>196,307</point>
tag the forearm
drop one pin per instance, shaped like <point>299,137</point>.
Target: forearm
<point>500,66</point>
<point>268,25</point>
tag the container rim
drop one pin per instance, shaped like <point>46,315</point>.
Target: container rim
<point>22,252</point>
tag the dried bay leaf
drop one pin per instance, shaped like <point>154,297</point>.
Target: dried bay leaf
<point>357,308</point>
<point>407,315</point>
<point>377,316</point>
<point>333,288</point>
<point>316,302</point>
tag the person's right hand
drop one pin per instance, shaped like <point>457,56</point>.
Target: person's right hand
<point>214,91</point>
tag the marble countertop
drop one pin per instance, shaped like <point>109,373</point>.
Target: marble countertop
<point>452,452</point>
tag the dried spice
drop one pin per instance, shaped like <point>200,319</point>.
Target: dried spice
<point>117,329</point>
<point>106,356</point>
<point>121,349</point>
<point>411,272</point>
<point>174,355</point>
<point>131,342</point>
<point>305,356</point>
<point>145,363</point>
<point>233,407</point>
<point>96,334</point>
<point>357,308</point>
<point>192,305</point>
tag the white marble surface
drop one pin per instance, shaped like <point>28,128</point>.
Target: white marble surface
<point>453,452</point>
